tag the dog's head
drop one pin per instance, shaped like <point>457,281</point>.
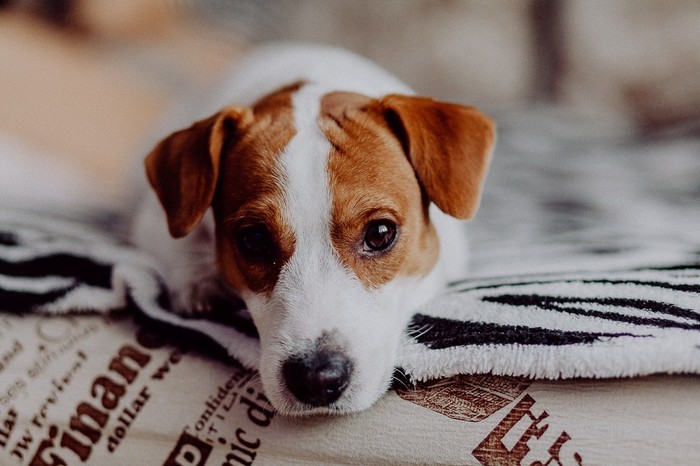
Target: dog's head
<point>321,208</point>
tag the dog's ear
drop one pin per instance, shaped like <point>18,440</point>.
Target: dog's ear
<point>448,145</point>
<point>184,167</point>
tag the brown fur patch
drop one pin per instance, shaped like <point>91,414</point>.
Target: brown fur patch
<point>249,192</point>
<point>449,146</point>
<point>371,179</point>
<point>184,167</point>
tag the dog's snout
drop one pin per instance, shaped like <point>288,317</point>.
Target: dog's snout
<point>318,379</point>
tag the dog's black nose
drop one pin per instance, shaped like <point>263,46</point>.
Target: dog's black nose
<point>318,379</point>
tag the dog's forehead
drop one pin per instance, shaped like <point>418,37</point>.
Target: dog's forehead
<point>250,166</point>
<point>366,159</point>
<point>315,166</point>
<point>370,178</point>
<point>340,105</point>
<point>359,147</point>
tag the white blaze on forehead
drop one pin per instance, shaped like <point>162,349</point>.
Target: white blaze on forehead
<point>303,287</point>
<point>304,162</point>
<point>315,292</point>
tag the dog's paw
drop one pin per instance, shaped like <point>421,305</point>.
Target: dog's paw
<point>199,297</point>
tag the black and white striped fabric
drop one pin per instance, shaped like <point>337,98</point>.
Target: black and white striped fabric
<point>55,267</point>
<point>586,259</point>
<point>621,323</point>
<point>613,324</point>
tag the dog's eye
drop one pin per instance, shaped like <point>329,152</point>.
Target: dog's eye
<point>379,235</point>
<point>255,242</point>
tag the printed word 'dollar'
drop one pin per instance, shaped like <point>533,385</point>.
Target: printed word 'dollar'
<point>86,425</point>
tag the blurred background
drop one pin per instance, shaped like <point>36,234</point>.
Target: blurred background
<point>85,82</point>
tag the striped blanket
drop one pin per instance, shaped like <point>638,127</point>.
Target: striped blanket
<point>586,260</point>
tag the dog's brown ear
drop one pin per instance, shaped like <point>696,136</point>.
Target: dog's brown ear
<point>448,145</point>
<point>184,167</point>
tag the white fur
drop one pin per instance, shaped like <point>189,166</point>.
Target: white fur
<point>273,66</point>
<point>188,264</point>
<point>315,293</point>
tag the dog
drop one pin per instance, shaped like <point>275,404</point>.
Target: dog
<point>320,193</point>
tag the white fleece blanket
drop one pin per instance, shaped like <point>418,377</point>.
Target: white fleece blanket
<point>586,257</point>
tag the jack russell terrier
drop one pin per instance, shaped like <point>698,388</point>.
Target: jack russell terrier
<point>313,198</point>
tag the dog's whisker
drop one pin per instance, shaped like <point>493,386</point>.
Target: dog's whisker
<point>253,379</point>
<point>267,403</point>
<point>402,380</point>
<point>419,332</point>
<point>398,380</point>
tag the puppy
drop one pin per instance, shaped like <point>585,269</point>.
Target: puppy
<point>309,195</point>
